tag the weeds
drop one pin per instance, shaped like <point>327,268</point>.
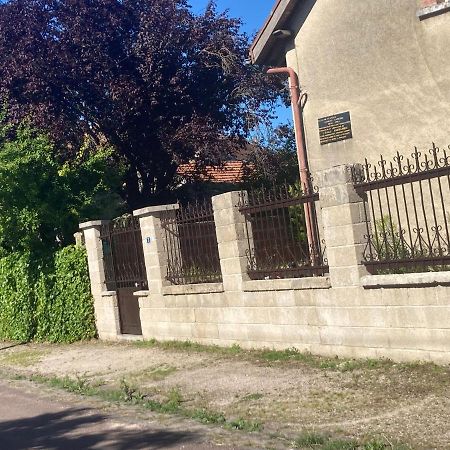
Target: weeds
<point>309,439</point>
<point>269,355</point>
<point>235,349</point>
<point>340,444</point>
<point>79,385</point>
<point>244,425</point>
<point>313,440</point>
<point>131,395</point>
<point>207,417</point>
<point>335,364</point>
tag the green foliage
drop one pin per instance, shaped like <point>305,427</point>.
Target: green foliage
<point>274,159</point>
<point>65,310</point>
<point>244,425</point>
<point>309,439</point>
<point>17,300</point>
<point>188,346</point>
<point>321,441</point>
<point>388,243</point>
<point>208,417</point>
<point>297,215</point>
<point>42,201</point>
<point>46,299</point>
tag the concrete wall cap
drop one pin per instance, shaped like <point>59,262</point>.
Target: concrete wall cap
<point>426,279</point>
<point>93,224</point>
<point>226,195</point>
<point>287,284</point>
<point>149,210</point>
<point>204,288</point>
<point>108,293</point>
<point>433,10</point>
<point>141,293</point>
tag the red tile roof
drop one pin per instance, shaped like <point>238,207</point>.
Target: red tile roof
<point>228,172</point>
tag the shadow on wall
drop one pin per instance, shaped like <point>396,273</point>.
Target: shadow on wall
<point>78,429</point>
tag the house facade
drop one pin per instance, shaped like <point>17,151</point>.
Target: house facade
<point>375,74</point>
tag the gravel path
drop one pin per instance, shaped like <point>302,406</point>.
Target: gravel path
<point>397,402</point>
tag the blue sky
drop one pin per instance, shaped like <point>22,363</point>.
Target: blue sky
<point>253,14</point>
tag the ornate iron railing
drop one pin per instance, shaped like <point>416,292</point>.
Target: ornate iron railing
<point>406,212</point>
<point>276,233</point>
<point>191,244</point>
<point>123,254</point>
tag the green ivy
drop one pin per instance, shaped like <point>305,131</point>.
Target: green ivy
<point>17,302</point>
<point>47,299</point>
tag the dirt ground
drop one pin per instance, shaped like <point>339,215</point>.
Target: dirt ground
<point>285,396</point>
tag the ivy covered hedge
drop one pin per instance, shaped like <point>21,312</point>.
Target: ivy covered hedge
<point>46,299</point>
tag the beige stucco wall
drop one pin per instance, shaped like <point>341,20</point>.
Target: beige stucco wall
<point>377,60</point>
<point>401,324</point>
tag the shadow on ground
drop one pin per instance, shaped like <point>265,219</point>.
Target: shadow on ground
<point>79,429</point>
<point>7,346</point>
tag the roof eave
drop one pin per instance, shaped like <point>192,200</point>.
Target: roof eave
<point>263,50</point>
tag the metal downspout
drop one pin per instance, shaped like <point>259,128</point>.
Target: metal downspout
<point>294,88</point>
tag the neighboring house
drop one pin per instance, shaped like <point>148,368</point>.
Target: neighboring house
<point>230,172</point>
<point>385,62</point>
<point>198,181</point>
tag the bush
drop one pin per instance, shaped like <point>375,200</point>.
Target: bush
<point>46,299</point>
<point>42,200</point>
<point>17,300</point>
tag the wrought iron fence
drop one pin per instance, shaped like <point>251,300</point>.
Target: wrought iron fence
<point>406,211</point>
<point>191,244</point>
<point>123,254</point>
<point>276,232</point>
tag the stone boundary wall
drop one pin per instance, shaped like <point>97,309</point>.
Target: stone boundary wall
<point>348,313</point>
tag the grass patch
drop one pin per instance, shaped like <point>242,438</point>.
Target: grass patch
<point>126,393</point>
<point>189,346</point>
<point>320,441</point>
<point>309,439</point>
<point>23,358</point>
<point>79,385</point>
<point>340,444</point>
<point>252,397</point>
<point>208,417</point>
<point>244,425</point>
<point>335,364</point>
<point>269,356</point>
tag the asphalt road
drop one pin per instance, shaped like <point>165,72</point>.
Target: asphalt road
<point>32,421</point>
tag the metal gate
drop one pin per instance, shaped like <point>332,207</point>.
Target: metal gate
<point>125,272</point>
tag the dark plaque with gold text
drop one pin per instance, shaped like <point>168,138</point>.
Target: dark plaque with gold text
<point>335,128</point>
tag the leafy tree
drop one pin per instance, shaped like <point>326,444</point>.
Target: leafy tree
<point>274,160</point>
<point>41,202</point>
<point>157,82</point>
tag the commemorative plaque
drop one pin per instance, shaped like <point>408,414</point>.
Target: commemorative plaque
<point>335,128</point>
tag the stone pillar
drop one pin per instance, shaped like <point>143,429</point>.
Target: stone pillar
<point>105,302</point>
<point>155,254</point>
<point>344,226</point>
<point>232,240</point>
<point>79,238</point>
<point>91,231</point>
